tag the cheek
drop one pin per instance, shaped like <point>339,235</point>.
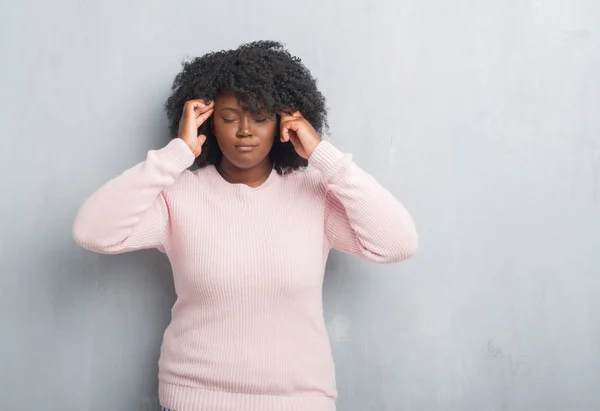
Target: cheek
<point>267,132</point>
<point>224,131</point>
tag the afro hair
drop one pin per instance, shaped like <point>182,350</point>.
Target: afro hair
<point>266,79</point>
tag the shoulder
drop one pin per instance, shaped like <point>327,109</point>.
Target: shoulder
<point>307,179</point>
<point>192,175</point>
<point>325,164</point>
<point>188,181</point>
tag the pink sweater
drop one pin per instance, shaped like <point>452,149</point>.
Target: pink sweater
<point>247,330</point>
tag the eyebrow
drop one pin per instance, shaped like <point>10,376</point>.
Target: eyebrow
<point>235,110</point>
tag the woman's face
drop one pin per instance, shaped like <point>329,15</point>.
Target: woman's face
<point>244,138</point>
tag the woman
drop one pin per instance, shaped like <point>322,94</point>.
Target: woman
<point>247,231</point>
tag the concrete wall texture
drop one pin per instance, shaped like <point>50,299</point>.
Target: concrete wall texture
<point>482,116</point>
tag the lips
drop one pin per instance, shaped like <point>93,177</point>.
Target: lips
<point>246,146</point>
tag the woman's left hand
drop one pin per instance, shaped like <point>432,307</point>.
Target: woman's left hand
<point>297,130</point>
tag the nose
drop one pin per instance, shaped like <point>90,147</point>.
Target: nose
<point>244,128</point>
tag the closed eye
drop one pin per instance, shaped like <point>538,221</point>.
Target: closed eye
<point>263,119</point>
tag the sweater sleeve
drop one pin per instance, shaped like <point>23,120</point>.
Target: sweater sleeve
<point>130,212</point>
<point>361,217</point>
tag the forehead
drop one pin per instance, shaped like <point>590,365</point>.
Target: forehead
<point>231,100</point>
<point>228,98</point>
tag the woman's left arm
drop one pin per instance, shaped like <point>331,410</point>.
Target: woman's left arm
<point>361,217</point>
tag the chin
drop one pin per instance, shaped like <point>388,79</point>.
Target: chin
<point>245,162</point>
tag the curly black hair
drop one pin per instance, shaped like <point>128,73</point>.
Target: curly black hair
<point>265,78</point>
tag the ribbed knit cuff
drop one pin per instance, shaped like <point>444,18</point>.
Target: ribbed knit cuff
<point>329,160</point>
<point>177,154</point>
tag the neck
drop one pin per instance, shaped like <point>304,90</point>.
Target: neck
<point>252,177</point>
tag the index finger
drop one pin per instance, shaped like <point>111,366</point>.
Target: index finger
<point>199,103</point>
<point>198,107</point>
<point>290,115</point>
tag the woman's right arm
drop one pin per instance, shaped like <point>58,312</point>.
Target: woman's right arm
<point>130,212</point>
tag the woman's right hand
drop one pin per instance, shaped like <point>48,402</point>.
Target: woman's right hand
<point>195,112</point>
